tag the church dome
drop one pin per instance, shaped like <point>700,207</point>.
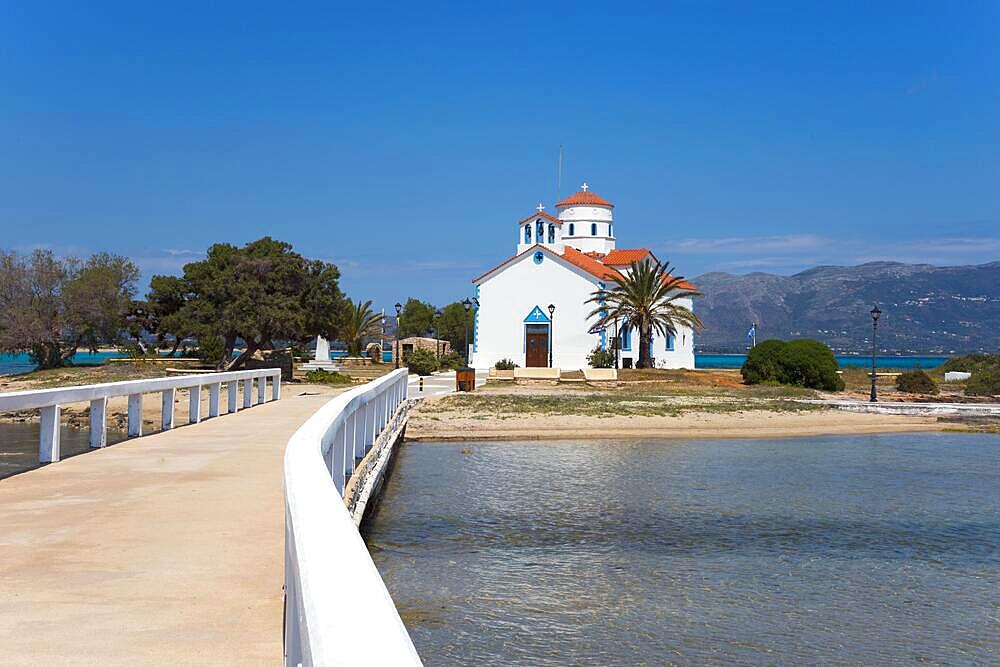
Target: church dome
<point>583,197</point>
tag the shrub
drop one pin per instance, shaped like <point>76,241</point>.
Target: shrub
<point>984,382</point>
<point>421,362</point>
<point>803,363</point>
<point>599,358</point>
<point>322,376</point>
<point>970,363</point>
<point>505,365</point>
<point>451,361</point>
<point>916,382</point>
<point>211,349</point>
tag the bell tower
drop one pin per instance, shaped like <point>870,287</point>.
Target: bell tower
<point>539,228</point>
<point>587,221</point>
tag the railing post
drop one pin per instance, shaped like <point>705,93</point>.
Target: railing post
<point>261,389</point>
<point>135,415</point>
<point>213,399</point>
<point>357,433</point>
<point>232,395</point>
<point>167,397</point>
<point>276,387</point>
<point>99,422</point>
<point>194,404</point>
<point>337,460</point>
<point>48,441</point>
<point>248,393</point>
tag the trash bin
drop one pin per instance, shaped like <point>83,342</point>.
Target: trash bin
<point>465,379</point>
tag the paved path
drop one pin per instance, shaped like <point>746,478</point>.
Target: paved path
<point>166,549</point>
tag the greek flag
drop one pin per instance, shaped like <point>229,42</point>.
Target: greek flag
<point>753,331</point>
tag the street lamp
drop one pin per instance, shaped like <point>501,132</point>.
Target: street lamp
<point>875,313</point>
<point>468,306</point>
<point>395,353</point>
<point>617,343</point>
<point>435,327</point>
<point>552,313</point>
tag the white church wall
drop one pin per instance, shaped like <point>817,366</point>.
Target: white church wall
<point>507,297</point>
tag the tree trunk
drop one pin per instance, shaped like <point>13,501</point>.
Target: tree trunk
<point>240,361</point>
<point>644,338</point>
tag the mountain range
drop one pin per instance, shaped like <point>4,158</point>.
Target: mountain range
<point>925,309</point>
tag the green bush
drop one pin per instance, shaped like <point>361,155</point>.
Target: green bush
<point>211,349</point>
<point>970,363</point>
<point>803,363</point>
<point>599,358</point>
<point>451,361</point>
<point>505,365</point>
<point>421,362</point>
<point>984,382</point>
<point>916,382</point>
<point>321,376</point>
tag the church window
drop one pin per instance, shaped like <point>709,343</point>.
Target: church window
<point>539,256</point>
<point>539,231</point>
<point>527,233</point>
<point>610,232</point>
<point>552,233</point>
<point>571,230</point>
<point>627,338</point>
<point>670,343</point>
<point>593,229</point>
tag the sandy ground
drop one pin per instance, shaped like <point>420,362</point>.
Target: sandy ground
<point>434,420</point>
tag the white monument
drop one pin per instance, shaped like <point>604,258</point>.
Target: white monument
<point>322,359</point>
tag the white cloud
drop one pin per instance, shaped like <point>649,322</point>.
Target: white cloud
<point>777,243</point>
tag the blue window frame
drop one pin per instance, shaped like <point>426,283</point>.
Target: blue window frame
<point>552,233</point>
<point>571,229</point>
<point>670,343</point>
<point>539,231</point>
<point>626,338</point>
<point>610,233</point>
<point>593,229</point>
<point>527,233</point>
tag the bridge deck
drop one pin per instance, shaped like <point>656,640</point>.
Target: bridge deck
<point>164,549</point>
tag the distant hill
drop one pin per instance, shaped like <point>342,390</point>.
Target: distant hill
<point>926,309</point>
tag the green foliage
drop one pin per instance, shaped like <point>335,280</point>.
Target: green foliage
<point>211,350</point>
<point>135,352</point>
<point>51,307</point>
<point>803,363</point>
<point>984,382</point>
<point>452,323</point>
<point>599,358</point>
<point>416,319</point>
<point>505,365</point>
<point>451,361</point>
<point>260,293</point>
<point>916,382</point>
<point>969,363</point>
<point>321,376</point>
<point>421,362</point>
<point>360,323</point>
<point>646,299</point>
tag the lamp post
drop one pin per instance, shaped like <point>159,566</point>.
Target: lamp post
<point>617,343</point>
<point>465,353</point>
<point>552,315</point>
<point>395,353</point>
<point>435,326</point>
<point>875,313</point>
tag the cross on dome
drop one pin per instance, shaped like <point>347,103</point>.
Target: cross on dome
<point>585,187</point>
<point>540,207</point>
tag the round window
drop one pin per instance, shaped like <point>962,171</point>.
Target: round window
<point>539,256</point>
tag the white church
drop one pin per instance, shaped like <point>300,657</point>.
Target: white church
<point>533,307</point>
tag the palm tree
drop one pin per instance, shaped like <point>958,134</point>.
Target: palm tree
<point>359,324</point>
<point>646,299</point>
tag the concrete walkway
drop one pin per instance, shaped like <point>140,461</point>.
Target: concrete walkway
<point>166,549</point>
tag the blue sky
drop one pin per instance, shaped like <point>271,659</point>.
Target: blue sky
<point>403,142</point>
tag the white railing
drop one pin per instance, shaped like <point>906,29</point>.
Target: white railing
<point>337,608</point>
<point>50,400</point>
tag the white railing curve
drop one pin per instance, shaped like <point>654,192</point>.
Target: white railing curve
<point>50,400</point>
<point>337,608</point>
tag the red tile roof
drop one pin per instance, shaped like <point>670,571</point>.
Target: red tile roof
<point>625,256</point>
<point>589,264</point>
<point>584,198</point>
<point>540,214</point>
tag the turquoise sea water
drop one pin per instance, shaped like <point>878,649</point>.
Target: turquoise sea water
<point>845,361</point>
<point>20,363</point>
<point>870,550</point>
